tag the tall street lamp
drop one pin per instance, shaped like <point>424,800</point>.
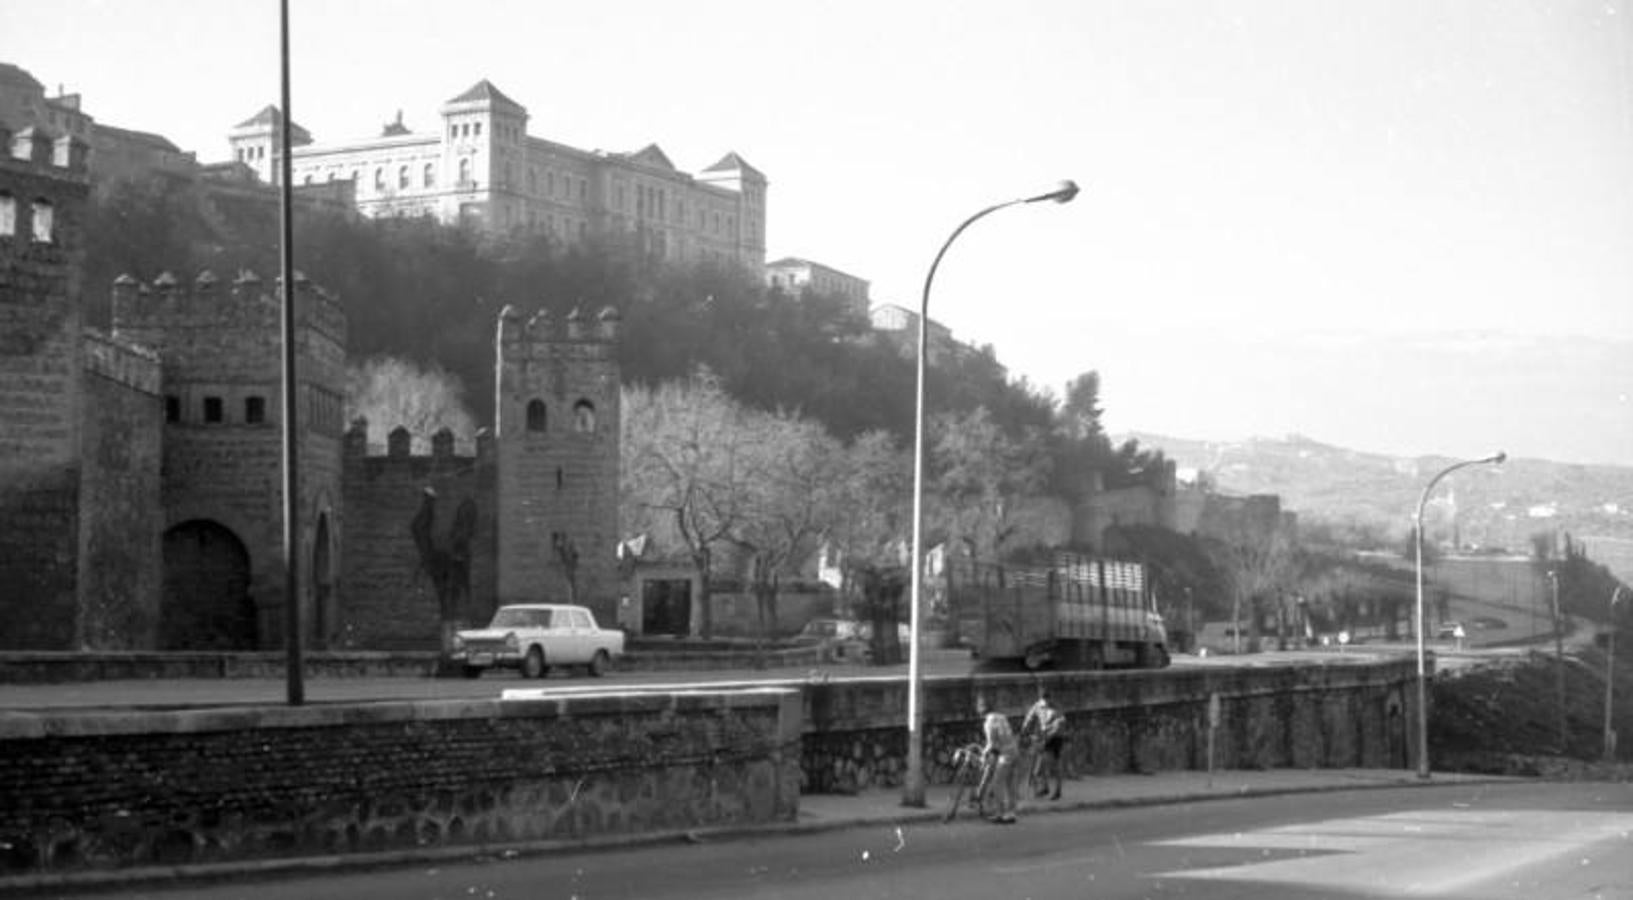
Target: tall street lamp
<point>1417,526</point>
<point>1610,676</point>
<point>913,784</point>
<point>1559,663</point>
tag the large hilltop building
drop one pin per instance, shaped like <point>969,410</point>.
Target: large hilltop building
<point>479,166</point>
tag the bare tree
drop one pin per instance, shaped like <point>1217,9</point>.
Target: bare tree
<point>391,393</point>
<point>685,464</point>
<point>1259,564</point>
<point>793,471</point>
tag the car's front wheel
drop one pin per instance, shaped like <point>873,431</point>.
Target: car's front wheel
<point>533,664</point>
<point>599,663</point>
<point>472,671</point>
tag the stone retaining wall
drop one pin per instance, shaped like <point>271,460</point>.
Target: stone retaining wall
<point>1293,716</point>
<point>110,790</point>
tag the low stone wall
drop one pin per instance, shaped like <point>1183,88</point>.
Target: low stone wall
<point>1294,716</point>
<point>108,790</point>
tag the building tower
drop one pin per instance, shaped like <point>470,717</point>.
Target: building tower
<point>734,173</point>
<point>43,186</point>
<point>257,140</point>
<point>557,423</point>
<point>483,135</point>
<point>222,484</point>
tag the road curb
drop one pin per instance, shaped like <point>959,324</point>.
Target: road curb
<point>266,868</point>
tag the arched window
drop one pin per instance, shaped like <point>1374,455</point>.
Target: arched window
<point>430,178</point>
<point>402,177</point>
<point>42,221</point>
<point>584,416</point>
<point>8,215</point>
<point>380,179</point>
<point>465,170</point>
<point>535,415</point>
<point>476,129</point>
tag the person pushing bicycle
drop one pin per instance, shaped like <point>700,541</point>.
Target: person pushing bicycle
<point>1047,725</point>
<point>1002,747</point>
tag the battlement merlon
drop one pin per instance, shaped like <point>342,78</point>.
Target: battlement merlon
<point>168,303</point>
<point>514,334</point>
<point>64,156</point>
<point>399,441</point>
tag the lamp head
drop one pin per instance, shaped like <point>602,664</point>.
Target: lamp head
<point>1062,193</point>
<point>1500,458</point>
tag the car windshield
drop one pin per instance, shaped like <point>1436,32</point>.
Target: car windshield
<point>521,618</point>
<point>822,628</point>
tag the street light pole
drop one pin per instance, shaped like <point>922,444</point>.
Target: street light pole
<point>913,783</point>
<point>1559,664</point>
<point>1417,626</point>
<point>1610,676</point>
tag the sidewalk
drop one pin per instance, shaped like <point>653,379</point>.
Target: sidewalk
<point>820,812</point>
<point>817,813</point>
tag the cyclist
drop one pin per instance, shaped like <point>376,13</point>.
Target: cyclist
<point>1048,724</point>
<point>1002,747</point>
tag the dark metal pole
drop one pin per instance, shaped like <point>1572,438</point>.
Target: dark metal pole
<point>1610,677</point>
<point>293,664</point>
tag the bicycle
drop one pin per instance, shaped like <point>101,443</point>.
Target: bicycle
<point>972,769</point>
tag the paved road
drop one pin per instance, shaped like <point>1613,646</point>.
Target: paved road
<point>180,692</point>
<point>1490,841</point>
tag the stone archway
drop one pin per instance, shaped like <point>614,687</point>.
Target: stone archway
<point>206,603</point>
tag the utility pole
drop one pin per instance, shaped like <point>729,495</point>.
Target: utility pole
<point>1559,664</point>
<point>1610,677</point>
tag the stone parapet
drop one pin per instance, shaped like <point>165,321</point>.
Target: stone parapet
<point>107,790</point>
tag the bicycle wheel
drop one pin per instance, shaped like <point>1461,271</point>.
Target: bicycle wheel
<point>961,785</point>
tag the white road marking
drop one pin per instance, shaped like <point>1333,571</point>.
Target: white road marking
<point>1424,853</point>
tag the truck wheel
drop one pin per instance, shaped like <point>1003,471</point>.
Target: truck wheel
<point>533,665</point>
<point>599,663</point>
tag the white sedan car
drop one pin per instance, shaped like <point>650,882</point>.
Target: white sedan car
<point>532,637</point>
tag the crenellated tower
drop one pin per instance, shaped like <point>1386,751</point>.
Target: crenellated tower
<point>222,483</point>
<point>557,440</point>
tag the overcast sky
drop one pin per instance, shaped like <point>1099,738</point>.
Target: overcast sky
<point>1402,226</point>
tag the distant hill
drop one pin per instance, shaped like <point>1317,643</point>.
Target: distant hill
<point>1497,507</point>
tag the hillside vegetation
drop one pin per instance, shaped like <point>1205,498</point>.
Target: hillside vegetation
<point>1372,496</point>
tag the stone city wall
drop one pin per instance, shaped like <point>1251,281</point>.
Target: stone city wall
<point>98,791</point>
<point>389,601</point>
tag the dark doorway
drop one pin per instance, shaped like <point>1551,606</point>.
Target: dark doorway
<point>322,585</point>
<point>206,603</point>
<point>666,606</point>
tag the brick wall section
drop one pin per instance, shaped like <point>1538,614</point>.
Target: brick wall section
<point>120,556</point>
<point>40,400</point>
<point>563,478</point>
<point>222,344</point>
<point>1353,715</point>
<point>388,601</point>
<point>112,790</point>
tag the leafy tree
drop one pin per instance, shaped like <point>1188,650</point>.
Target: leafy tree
<point>869,538</point>
<point>979,473</point>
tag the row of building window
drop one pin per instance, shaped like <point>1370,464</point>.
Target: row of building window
<point>42,218</point>
<point>214,410</point>
<point>583,416</point>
